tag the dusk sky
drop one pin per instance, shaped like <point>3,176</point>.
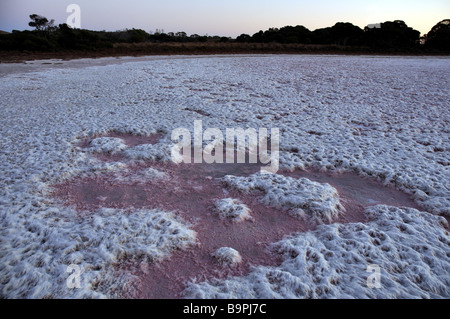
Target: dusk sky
<point>226,17</point>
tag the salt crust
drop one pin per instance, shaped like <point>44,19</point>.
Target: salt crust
<point>227,256</point>
<point>150,152</point>
<point>234,209</point>
<point>381,117</point>
<point>300,197</point>
<point>110,145</point>
<point>36,262</point>
<point>411,248</point>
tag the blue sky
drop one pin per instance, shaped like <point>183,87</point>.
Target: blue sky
<point>226,17</point>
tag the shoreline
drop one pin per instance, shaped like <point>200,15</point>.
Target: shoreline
<point>198,49</point>
<point>36,63</point>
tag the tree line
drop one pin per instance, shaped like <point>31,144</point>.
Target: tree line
<point>387,36</point>
<point>384,36</point>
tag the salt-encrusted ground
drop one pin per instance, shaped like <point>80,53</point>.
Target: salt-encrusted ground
<point>381,117</point>
<point>332,262</point>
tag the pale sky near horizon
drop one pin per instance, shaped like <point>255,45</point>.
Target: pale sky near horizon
<point>226,17</point>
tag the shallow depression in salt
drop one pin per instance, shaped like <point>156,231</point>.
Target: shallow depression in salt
<point>364,179</point>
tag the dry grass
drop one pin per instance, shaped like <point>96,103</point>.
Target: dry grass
<point>176,48</point>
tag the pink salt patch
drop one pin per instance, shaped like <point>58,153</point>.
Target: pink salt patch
<point>190,190</point>
<point>191,195</point>
<point>250,239</point>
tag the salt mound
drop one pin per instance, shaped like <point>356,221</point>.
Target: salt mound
<point>152,173</point>
<point>98,168</point>
<point>142,232</point>
<point>411,249</point>
<point>301,197</point>
<point>233,209</point>
<point>111,145</point>
<point>227,256</point>
<point>149,152</point>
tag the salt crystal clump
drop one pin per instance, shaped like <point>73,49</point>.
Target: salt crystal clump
<point>301,197</point>
<point>142,232</point>
<point>233,209</point>
<point>227,256</point>
<point>111,145</point>
<point>149,152</point>
<point>152,173</point>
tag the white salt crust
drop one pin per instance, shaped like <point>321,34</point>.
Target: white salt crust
<point>109,145</point>
<point>234,209</point>
<point>227,256</point>
<point>384,117</point>
<point>300,197</point>
<point>37,269</point>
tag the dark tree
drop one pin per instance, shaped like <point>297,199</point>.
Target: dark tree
<point>297,34</point>
<point>137,35</point>
<point>258,37</point>
<point>439,36</point>
<point>322,36</point>
<point>288,34</point>
<point>342,33</point>
<point>40,22</point>
<point>244,38</point>
<point>66,38</point>
<point>272,35</point>
<point>392,35</point>
<point>345,33</point>
<point>181,34</point>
